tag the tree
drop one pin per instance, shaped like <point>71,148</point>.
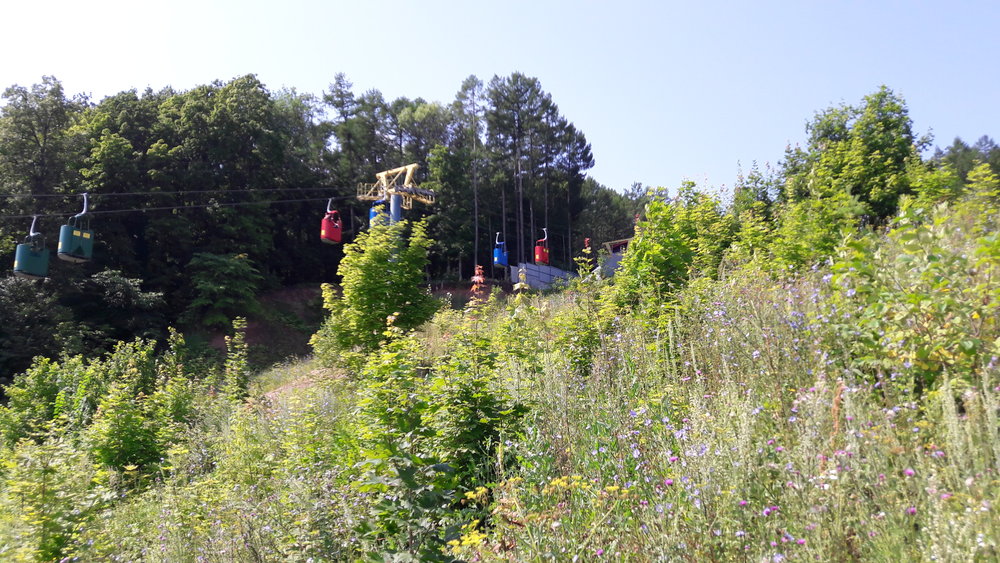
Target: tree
<point>38,145</point>
<point>31,320</point>
<point>36,140</point>
<point>863,152</point>
<point>224,286</point>
<point>677,241</point>
<point>607,215</point>
<point>537,153</point>
<point>468,111</point>
<point>383,274</point>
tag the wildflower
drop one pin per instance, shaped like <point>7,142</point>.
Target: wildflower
<point>911,510</point>
<point>909,472</point>
<point>668,482</point>
<point>743,503</point>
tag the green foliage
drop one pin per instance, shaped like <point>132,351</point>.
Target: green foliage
<point>413,518</point>
<point>932,185</point>
<point>926,298</point>
<point>471,412</point>
<point>48,389</point>
<point>123,434</point>
<point>32,322</point>
<point>49,496</point>
<point>237,369</point>
<point>676,241</point>
<point>432,427</point>
<point>754,237</point>
<point>382,278</point>
<point>131,405</point>
<point>224,286</point>
<point>810,230</point>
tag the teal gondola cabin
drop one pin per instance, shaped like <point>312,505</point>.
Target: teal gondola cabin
<point>76,243</point>
<point>31,260</point>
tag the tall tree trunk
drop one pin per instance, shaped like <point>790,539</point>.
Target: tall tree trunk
<point>531,213</point>
<point>569,226</point>
<point>503,212</point>
<point>520,208</point>
<point>475,209</point>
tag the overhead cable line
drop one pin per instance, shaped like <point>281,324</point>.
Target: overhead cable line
<point>173,207</point>
<point>181,192</point>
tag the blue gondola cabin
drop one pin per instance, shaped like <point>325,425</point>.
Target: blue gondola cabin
<point>500,255</point>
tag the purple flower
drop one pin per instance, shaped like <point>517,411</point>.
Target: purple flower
<point>909,472</point>
<point>911,511</point>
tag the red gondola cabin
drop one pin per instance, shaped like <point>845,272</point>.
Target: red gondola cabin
<point>332,228</point>
<point>542,250</point>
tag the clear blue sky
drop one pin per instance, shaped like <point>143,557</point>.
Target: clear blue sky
<point>664,91</point>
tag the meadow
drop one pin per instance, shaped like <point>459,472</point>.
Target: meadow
<point>844,412</point>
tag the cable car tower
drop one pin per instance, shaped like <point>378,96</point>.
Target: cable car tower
<point>398,188</point>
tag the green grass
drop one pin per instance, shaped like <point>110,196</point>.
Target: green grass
<point>748,419</point>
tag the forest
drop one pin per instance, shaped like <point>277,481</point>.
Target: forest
<point>201,200</point>
<point>803,366</point>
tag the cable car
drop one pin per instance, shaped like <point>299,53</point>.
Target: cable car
<point>542,249</point>
<point>76,240</point>
<point>500,253</point>
<point>31,259</point>
<point>331,227</point>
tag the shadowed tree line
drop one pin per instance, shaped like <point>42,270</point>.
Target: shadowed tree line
<point>501,157</point>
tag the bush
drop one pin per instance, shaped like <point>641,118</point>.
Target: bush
<point>382,277</point>
<point>49,494</point>
<point>676,241</point>
<point>921,304</point>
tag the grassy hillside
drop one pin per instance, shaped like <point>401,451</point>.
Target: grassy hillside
<point>849,412</point>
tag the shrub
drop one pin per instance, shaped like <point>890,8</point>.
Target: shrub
<point>676,241</point>
<point>382,277</point>
<point>49,493</point>
<point>922,303</point>
<point>225,286</point>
